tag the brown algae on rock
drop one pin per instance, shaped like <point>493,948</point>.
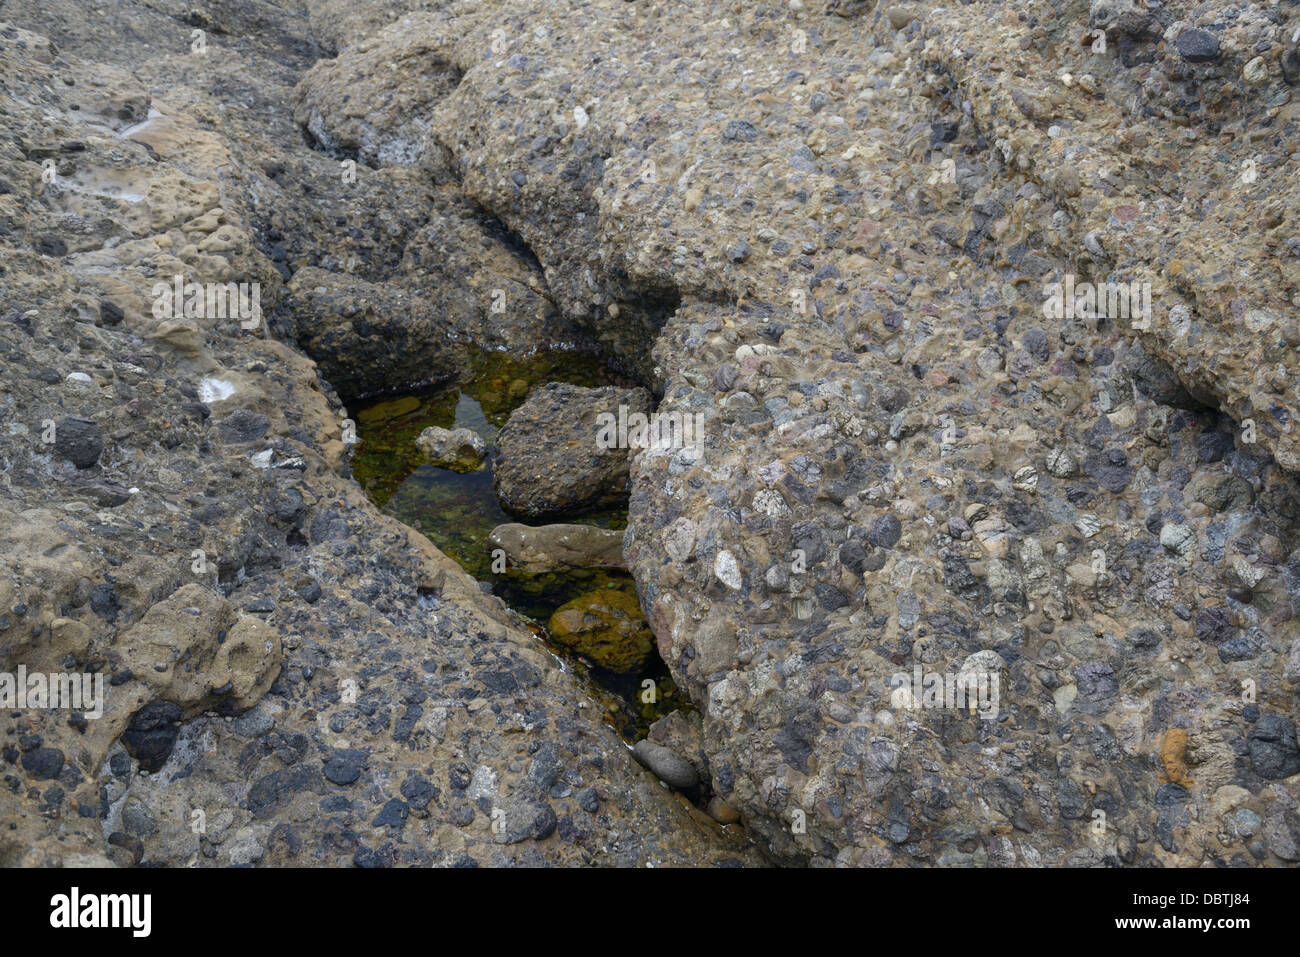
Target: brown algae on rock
<point>606,625</point>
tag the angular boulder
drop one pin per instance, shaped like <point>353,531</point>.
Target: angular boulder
<point>552,457</point>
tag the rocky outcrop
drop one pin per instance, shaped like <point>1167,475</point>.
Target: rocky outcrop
<point>291,678</point>
<point>922,455</point>
<point>913,457</point>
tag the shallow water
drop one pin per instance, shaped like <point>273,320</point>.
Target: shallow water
<point>458,510</point>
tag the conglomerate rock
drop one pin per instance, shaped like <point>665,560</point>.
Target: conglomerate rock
<point>913,456</point>
<point>291,678</point>
<point>552,455</point>
<point>848,236</point>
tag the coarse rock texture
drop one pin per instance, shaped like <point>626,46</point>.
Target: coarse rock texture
<point>829,228</point>
<point>547,548</point>
<point>555,454</point>
<point>292,678</point>
<point>909,458</point>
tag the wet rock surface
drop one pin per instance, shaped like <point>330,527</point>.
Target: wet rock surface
<point>668,766</point>
<point>459,449</point>
<point>606,626</point>
<point>842,234</point>
<point>557,547</point>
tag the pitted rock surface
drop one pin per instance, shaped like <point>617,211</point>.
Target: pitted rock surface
<point>292,678</point>
<point>829,228</point>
